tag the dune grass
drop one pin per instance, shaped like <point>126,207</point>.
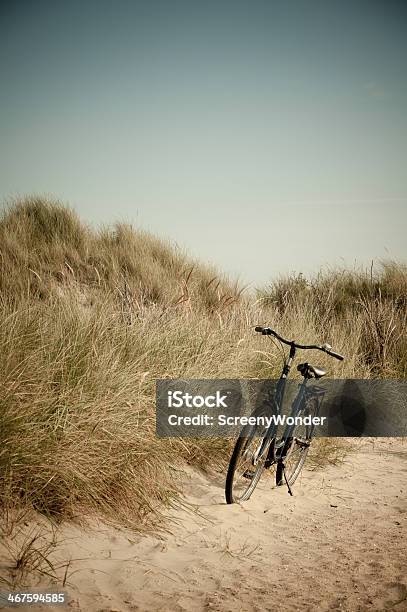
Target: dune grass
<point>89,320</point>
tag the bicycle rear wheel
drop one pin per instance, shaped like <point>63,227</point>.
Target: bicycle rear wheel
<point>296,448</point>
<point>246,465</point>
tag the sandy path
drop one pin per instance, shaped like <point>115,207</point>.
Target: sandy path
<point>339,543</point>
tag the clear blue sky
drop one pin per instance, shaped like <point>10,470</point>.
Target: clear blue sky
<point>264,136</point>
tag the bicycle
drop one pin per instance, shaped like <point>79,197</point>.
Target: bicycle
<point>259,450</point>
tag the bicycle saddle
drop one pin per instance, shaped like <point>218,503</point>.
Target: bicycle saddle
<point>308,371</point>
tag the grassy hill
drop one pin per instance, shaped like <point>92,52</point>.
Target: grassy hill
<point>89,319</point>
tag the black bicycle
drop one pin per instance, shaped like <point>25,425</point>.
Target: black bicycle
<point>259,447</point>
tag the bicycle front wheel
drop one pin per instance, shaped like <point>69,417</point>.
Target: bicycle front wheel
<point>246,466</point>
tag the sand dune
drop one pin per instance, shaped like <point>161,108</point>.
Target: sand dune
<point>338,544</point>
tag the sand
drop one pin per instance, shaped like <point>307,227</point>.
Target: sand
<point>339,543</point>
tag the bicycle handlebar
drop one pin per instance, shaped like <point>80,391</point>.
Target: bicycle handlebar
<point>267,331</point>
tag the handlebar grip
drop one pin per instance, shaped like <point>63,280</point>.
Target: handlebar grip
<point>266,331</point>
<point>336,355</point>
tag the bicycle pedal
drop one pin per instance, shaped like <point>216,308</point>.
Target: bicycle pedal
<point>303,443</point>
<point>248,474</point>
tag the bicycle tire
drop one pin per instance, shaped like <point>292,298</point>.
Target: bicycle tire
<point>297,446</point>
<point>246,437</point>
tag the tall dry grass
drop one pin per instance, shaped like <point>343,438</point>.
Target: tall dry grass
<point>89,320</point>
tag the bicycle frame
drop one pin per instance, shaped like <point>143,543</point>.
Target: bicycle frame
<point>278,403</point>
<point>297,406</point>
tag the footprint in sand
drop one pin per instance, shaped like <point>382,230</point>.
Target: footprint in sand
<point>395,596</point>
